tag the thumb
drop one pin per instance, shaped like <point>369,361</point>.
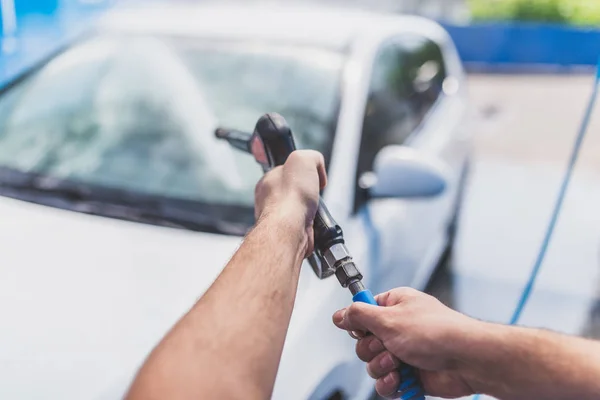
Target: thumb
<point>362,317</point>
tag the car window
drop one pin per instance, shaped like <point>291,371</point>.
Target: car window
<point>306,95</point>
<point>406,82</point>
<point>139,113</point>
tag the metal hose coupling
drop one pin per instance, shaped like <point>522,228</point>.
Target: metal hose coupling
<point>338,259</point>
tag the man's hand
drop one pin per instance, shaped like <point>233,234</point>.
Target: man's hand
<point>458,356</point>
<point>416,328</point>
<point>292,191</point>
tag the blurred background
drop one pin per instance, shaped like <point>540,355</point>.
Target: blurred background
<point>528,73</point>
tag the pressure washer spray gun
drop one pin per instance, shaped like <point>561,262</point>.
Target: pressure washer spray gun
<point>271,144</point>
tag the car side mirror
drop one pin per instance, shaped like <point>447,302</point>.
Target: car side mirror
<point>404,172</point>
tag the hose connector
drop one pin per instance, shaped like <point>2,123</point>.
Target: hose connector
<point>338,259</point>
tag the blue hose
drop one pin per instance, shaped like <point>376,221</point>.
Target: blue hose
<point>526,294</point>
<point>410,386</point>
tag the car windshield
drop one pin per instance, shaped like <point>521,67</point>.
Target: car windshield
<point>139,113</point>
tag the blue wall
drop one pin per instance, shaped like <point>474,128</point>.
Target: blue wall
<point>502,44</point>
<point>44,24</point>
<point>33,12</point>
<point>42,27</point>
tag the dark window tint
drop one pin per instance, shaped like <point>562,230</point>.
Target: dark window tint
<point>406,81</point>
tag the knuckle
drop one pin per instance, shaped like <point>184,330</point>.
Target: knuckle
<point>409,292</point>
<point>305,157</point>
<point>269,180</point>
<point>391,323</point>
<point>371,370</point>
<point>360,350</point>
<point>405,293</point>
<point>299,158</point>
<point>363,349</point>
<point>392,361</point>
<point>352,313</point>
<point>388,388</point>
<point>274,173</point>
<point>259,185</point>
<point>382,364</point>
<point>316,155</point>
<point>295,156</point>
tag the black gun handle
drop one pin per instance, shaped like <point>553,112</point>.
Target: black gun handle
<point>278,142</point>
<point>277,139</point>
<point>327,230</point>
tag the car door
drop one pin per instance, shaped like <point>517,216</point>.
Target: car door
<point>404,96</point>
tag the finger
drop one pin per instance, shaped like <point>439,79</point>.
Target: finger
<point>316,160</point>
<point>258,195</point>
<point>382,364</point>
<point>362,317</point>
<point>357,334</point>
<point>396,296</point>
<point>262,189</point>
<point>348,318</point>
<point>368,348</point>
<point>321,171</point>
<point>387,386</point>
<point>267,181</point>
<point>338,320</point>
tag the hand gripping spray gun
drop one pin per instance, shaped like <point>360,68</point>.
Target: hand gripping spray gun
<point>271,144</point>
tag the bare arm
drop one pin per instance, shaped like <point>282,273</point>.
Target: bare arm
<point>459,356</point>
<point>229,344</point>
<point>521,363</point>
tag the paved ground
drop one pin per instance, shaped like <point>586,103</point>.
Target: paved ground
<point>525,130</point>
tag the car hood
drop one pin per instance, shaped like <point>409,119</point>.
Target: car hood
<point>83,299</point>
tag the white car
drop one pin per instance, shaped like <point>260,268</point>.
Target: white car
<point>119,207</point>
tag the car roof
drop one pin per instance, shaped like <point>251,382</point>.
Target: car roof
<point>311,24</point>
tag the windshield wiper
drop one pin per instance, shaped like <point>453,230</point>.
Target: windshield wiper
<point>116,203</point>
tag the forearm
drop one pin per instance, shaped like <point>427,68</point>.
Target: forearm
<point>230,342</point>
<point>519,363</point>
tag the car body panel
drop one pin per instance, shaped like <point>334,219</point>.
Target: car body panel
<point>84,298</point>
<point>418,225</point>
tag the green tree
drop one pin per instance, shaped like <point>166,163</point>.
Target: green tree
<point>576,12</point>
